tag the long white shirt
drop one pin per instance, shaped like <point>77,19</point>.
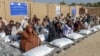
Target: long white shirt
<point>24,23</point>
<point>67,30</point>
<point>15,30</point>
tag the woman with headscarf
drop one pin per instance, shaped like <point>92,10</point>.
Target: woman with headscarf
<point>29,39</point>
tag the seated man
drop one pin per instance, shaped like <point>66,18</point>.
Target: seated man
<point>68,28</point>
<point>29,39</point>
<point>45,29</point>
<point>15,30</point>
<point>2,33</point>
<point>55,32</point>
<point>9,27</point>
<point>37,26</point>
<point>77,26</point>
<point>24,22</point>
<point>86,25</point>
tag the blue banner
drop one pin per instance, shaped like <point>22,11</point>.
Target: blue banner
<point>17,8</point>
<point>74,11</point>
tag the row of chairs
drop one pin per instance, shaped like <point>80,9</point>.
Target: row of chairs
<point>55,46</point>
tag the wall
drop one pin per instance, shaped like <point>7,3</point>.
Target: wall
<point>5,10</point>
<point>41,10</point>
<point>52,10</point>
<point>77,9</point>
<point>65,9</point>
<point>15,18</point>
<point>94,11</point>
<point>38,9</point>
<point>2,9</point>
